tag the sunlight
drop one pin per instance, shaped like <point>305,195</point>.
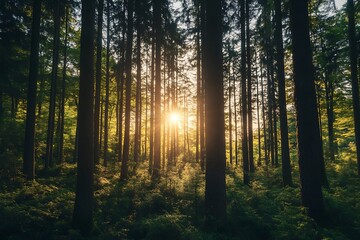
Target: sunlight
<point>174,117</point>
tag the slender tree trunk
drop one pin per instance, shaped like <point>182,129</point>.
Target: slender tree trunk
<point>98,82</point>
<point>202,85</point>
<point>83,209</point>
<point>245,148</point>
<point>157,115</point>
<point>215,187</point>
<point>249,90</point>
<point>354,77</point>
<point>329,98</point>
<point>29,152</point>
<point>236,123</point>
<point>122,83</point>
<point>107,85</point>
<point>138,83</point>
<point>128,59</point>
<point>285,153</point>
<point>152,106</point>
<point>63,88</point>
<point>309,150</point>
<point>54,72</point>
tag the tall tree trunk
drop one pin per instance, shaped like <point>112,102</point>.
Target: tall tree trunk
<point>122,83</point>
<point>202,85</point>
<point>285,153</point>
<point>236,123</point>
<point>329,98</point>
<point>309,150</point>
<point>107,85</point>
<point>98,82</point>
<point>29,153</point>
<point>354,77</point>
<point>249,97</point>
<point>63,88</point>
<point>215,187</point>
<point>128,59</point>
<point>157,115</point>
<point>245,149</point>
<point>138,83</point>
<point>83,209</point>
<point>54,73</point>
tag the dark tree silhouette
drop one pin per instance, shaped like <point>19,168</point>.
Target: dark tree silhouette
<point>354,77</point>
<point>157,108</point>
<point>128,58</point>
<point>98,81</point>
<point>29,154</point>
<point>215,188</point>
<point>285,154</point>
<point>309,148</point>
<point>83,209</point>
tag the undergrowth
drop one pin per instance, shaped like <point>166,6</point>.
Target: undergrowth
<point>173,208</point>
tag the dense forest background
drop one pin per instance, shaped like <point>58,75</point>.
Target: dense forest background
<point>186,119</point>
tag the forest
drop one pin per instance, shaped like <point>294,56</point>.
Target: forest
<point>183,119</point>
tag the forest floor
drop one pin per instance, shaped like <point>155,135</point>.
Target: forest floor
<point>173,208</point>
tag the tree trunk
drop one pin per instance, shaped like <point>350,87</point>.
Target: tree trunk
<point>54,73</point>
<point>285,153</point>
<point>157,115</point>
<point>63,88</point>
<point>215,187</point>
<point>249,97</point>
<point>309,151</point>
<point>29,153</point>
<point>128,59</point>
<point>107,85</point>
<point>138,83</point>
<point>83,209</point>
<point>354,77</point>
<point>245,149</point>
<point>98,82</point>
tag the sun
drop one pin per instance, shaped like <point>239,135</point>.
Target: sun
<point>174,117</point>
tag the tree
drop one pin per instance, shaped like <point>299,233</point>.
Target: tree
<point>244,106</point>
<point>354,77</point>
<point>215,188</point>
<point>157,108</point>
<point>285,153</point>
<point>29,154</point>
<point>98,81</point>
<point>309,148</point>
<point>54,77</point>
<point>107,85</point>
<point>83,209</point>
<point>128,59</point>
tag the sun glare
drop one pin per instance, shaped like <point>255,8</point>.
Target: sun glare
<point>174,117</point>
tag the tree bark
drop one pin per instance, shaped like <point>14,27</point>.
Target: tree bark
<point>128,59</point>
<point>29,152</point>
<point>285,153</point>
<point>54,73</point>
<point>309,150</point>
<point>157,115</point>
<point>215,187</point>
<point>83,209</point>
<point>354,77</point>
